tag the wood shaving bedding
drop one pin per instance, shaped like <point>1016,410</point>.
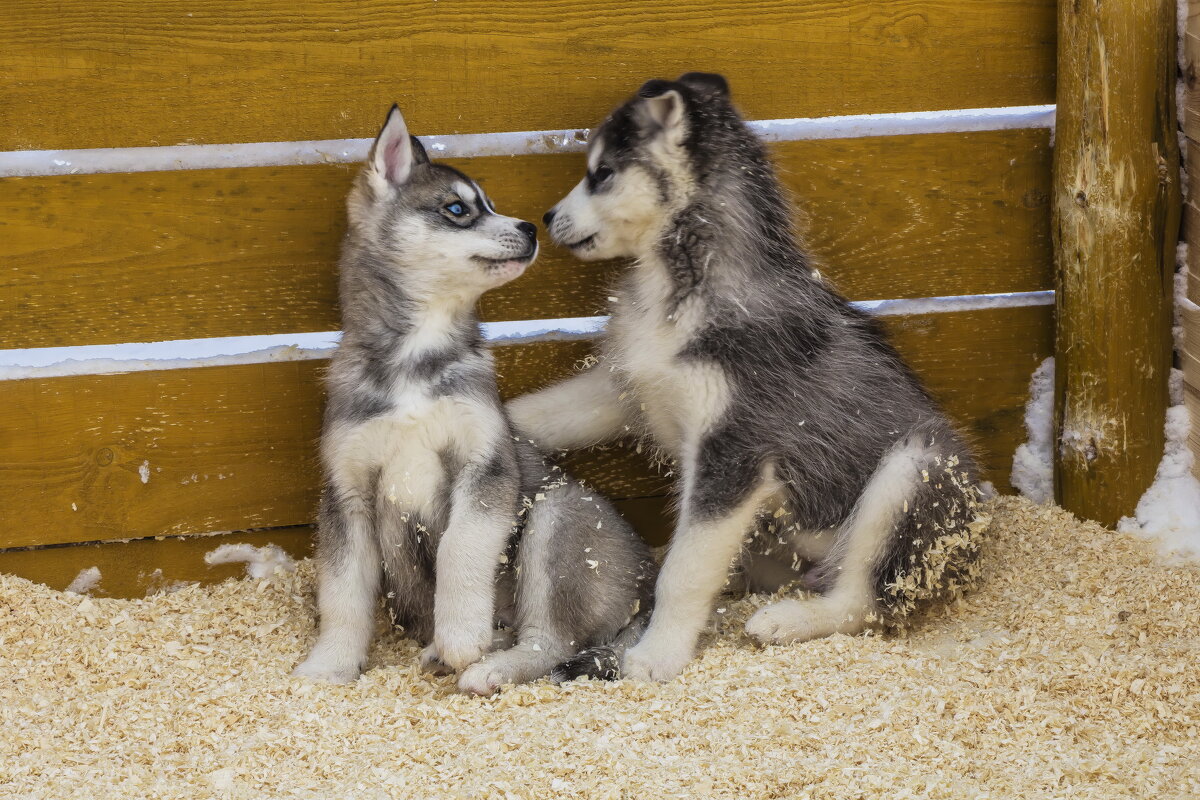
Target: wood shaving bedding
<point>1071,672</point>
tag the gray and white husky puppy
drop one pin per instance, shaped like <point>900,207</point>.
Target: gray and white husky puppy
<point>796,426</point>
<point>428,497</point>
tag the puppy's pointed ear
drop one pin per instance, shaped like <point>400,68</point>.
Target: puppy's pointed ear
<point>706,84</point>
<point>418,151</point>
<point>395,153</point>
<point>663,107</point>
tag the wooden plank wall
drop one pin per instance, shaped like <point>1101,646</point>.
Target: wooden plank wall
<point>1189,116</point>
<point>100,259</point>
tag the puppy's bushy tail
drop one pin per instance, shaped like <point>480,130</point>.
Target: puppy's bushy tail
<point>603,662</point>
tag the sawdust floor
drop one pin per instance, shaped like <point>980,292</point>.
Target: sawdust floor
<point>1072,673</point>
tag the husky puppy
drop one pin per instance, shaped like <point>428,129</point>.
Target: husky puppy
<point>424,483</point>
<point>795,425</point>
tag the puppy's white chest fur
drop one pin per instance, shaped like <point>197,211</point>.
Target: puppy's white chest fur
<point>405,445</point>
<point>677,396</point>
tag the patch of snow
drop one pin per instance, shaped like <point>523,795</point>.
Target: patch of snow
<point>1169,511</point>
<point>1033,462</point>
<point>85,581</point>
<point>261,562</point>
<point>56,362</point>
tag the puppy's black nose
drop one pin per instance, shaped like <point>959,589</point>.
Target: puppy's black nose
<point>548,217</point>
<point>529,229</point>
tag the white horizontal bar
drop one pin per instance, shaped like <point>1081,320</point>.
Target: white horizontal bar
<point>857,126</point>
<point>105,359</point>
<point>963,302</point>
<point>28,163</point>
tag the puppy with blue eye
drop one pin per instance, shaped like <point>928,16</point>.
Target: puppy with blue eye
<point>428,499</point>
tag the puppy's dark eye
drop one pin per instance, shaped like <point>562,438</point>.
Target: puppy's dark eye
<point>602,173</point>
<point>455,209</point>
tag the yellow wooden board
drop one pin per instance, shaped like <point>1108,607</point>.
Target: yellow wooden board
<point>153,256</point>
<point>89,458</point>
<point>142,566</point>
<point>118,73</point>
<point>1191,398</point>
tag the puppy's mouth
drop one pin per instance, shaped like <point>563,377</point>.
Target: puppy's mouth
<point>583,244</point>
<point>507,267</point>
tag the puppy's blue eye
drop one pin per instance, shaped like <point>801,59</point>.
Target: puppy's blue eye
<point>456,209</point>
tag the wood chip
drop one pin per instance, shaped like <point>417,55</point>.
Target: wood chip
<point>1071,671</point>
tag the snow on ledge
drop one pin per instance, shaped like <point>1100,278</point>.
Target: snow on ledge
<point>28,163</point>
<point>108,359</point>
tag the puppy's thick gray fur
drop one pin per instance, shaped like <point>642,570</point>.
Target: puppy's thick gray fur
<point>799,431</point>
<point>429,499</point>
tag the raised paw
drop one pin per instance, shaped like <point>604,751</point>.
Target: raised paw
<point>655,661</point>
<point>482,678</point>
<point>318,669</point>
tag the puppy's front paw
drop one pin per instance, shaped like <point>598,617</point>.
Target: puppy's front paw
<point>431,662</point>
<point>481,679</point>
<point>651,660</point>
<point>318,669</point>
<point>459,649</point>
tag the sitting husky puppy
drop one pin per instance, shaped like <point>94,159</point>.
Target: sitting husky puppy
<point>795,424</point>
<point>423,480</point>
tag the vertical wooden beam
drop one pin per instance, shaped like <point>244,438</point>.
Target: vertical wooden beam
<point>1116,219</point>
<point>1190,113</point>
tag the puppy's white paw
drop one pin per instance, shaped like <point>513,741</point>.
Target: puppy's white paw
<point>800,621</point>
<point>432,662</point>
<point>459,649</point>
<point>652,660</point>
<point>318,669</point>
<point>481,679</point>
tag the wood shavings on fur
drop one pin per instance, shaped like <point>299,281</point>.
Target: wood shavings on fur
<point>261,562</point>
<point>1070,672</point>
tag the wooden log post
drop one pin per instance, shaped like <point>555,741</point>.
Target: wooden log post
<point>1115,224</point>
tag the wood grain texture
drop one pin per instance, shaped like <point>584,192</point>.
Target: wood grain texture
<point>1189,359</point>
<point>1189,117</point>
<point>121,73</point>
<point>1189,114</point>
<point>1116,206</point>
<point>145,566</point>
<point>154,256</point>
<point>233,448</point>
<point>1191,399</point>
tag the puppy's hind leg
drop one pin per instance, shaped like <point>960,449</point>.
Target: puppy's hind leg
<point>348,569</point>
<point>540,641</point>
<point>849,603</point>
<point>532,658</point>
